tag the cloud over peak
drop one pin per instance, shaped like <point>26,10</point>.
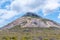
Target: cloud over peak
<point>16,7</point>
<point>47,6</point>
<point>32,5</point>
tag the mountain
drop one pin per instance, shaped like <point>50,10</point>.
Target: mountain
<point>32,20</point>
<point>31,27</point>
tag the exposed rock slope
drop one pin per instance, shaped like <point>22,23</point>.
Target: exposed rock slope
<point>32,20</point>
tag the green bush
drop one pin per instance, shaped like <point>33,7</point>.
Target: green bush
<point>13,38</point>
<point>5,38</point>
<point>45,39</point>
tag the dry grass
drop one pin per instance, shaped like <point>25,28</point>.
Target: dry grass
<point>30,34</point>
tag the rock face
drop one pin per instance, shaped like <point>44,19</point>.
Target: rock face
<point>32,20</point>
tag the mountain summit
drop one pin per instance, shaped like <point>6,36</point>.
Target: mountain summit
<point>32,20</point>
<point>31,15</point>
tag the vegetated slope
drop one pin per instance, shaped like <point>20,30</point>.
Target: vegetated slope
<point>30,33</point>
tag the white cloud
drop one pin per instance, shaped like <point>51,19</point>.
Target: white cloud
<point>26,5</point>
<point>7,14</point>
<point>18,6</point>
<point>47,6</point>
<point>50,6</point>
<point>34,5</point>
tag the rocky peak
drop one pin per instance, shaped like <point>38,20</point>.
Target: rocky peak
<point>30,14</point>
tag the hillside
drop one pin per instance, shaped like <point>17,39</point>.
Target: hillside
<point>32,20</point>
<point>31,27</point>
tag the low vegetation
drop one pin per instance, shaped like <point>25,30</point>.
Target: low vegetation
<point>32,33</point>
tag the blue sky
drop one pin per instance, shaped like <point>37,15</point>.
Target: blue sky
<point>10,10</point>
